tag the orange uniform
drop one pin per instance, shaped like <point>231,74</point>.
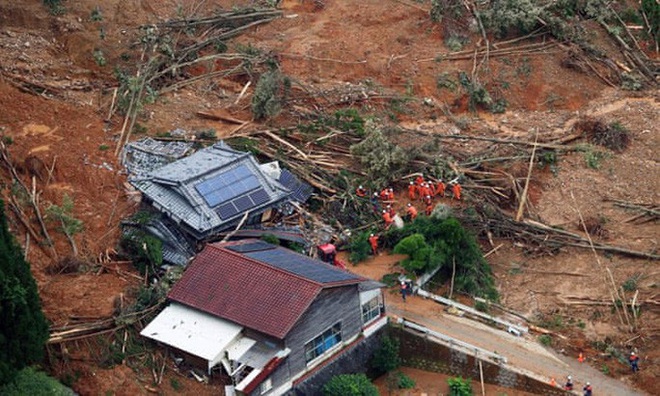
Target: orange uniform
<point>361,192</point>
<point>456,189</point>
<point>384,194</point>
<point>387,218</point>
<point>419,180</point>
<point>440,189</point>
<point>428,200</point>
<point>412,211</point>
<point>390,194</point>
<point>429,209</point>
<point>411,191</point>
<point>373,241</point>
<point>431,189</point>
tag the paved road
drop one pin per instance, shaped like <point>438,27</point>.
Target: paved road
<point>523,353</point>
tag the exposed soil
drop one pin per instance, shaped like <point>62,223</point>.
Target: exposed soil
<point>55,100</point>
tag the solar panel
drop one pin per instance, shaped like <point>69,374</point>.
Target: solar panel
<point>299,191</point>
<point>226,211</point>
<point>227,185</point>
<point>301,265</point>
<point>251,247</point>
<point>259,197</point>
<point>243,203</point>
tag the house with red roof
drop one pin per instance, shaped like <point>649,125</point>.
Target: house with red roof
<point>265,315</point>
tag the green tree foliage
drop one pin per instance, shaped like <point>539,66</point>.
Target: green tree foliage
<point>459,387</point>
<point>23,327</point>
<point>145,250</point>
<point>359,247</point>
<point>350,384</point>
<point>421,256</point>
<point>386,358</point>
<point>270,93</point>
<point>382,160</point>
<point>448,241</point>
<point>34,383</point>
<point>651,8</point>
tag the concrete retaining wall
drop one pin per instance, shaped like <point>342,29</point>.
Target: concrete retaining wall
<point>353,359</point>
<point>423,353</point>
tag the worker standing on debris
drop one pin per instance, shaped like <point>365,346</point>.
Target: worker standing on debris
<point>587,389</point>
<point>428,200</point>
<point>412,212</point>
<point>373,241</point>
<point>440,188</point>
<point>411,191</point>
<point>429,209</point>
<point>634,362</point>
<point>456,190</point>
<point>361,192</point>
<point>384,194</point>
<point>390,194</point>
<point>387,218</point>
<point>375,204</point>
<point>431,187</point>
<point>390,210</point>
<point>419,180</point>
<point>569,383</point>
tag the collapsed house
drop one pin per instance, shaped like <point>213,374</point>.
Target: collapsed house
<point>203,194</point>
<point>265,315</point>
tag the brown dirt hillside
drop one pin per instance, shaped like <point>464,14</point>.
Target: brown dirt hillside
<point>56,93</point>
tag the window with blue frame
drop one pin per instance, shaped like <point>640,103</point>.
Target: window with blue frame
<point>324,342</point>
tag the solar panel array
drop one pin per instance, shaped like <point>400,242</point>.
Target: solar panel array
<point>242,204</point>
<point>227,185</point>
<point>251,247</point>
<point>300,191</point>
<point>301,265</point>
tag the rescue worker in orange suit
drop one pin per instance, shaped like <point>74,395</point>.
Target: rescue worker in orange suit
<point>390,210</point>
<point>440,188</point>
<point>419,180</point>
<point>634,362</point>
<point>384,194</point>
<point>361,192</point>
<point>411,191</point>
<point>373,241</point>
<point>431,187</point>
<point>412,212</point>
<point>429,209</point>
<point>456,189</point>
<point>387,218</point>
<point>587,389</point>
<point>390,194</point>
<point>428,200</point>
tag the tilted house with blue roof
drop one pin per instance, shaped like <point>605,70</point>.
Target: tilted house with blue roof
<point>214,190</point>
<point>267,316</point>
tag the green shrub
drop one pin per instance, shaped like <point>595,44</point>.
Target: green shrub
<point>630,285</point>
<point>545,339</point>
<point>270,93</point>
<point>34,383</point>
<point>270,238</point>
<point>55,7</point>
<point>359,247</point>
<point>382,160</point>
<point>386,358</point>
<point>145,250</point>
<point>421,256</point>
<point>481,306</point>
<point>350,384</point>
<point>459,386</point>
<point>405,382</point>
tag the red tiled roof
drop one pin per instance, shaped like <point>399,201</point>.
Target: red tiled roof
<point>245,291</point>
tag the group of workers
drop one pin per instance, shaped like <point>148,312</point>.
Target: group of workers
<point>633,359</point>
<point>418,189</point>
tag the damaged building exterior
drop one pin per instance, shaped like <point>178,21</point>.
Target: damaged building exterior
<point>205,193</point>
<point>268,317</point>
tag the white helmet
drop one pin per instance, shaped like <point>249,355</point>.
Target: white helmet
<point>569,377</point>
<point>409,204</point>
<point>360,186</point>
<point>632,353</point>
<point>371,235</point>
<point>588,383</point>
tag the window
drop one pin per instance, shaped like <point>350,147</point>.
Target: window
<point>371,310</point>
<point>321,344</point>
<point>266,386</point>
